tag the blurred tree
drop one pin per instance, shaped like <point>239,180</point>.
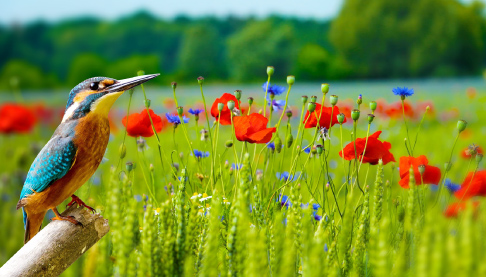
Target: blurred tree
<point>27,75</point>
<point>257,45</point>
<point>126,68</point>
<point>200,53</point>
<point>408,38</point>
<point>312,62</point>
<point>85,66</point>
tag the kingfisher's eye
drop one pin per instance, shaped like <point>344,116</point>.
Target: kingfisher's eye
<point>93,86</point>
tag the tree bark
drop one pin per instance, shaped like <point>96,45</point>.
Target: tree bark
<point>58,245</point>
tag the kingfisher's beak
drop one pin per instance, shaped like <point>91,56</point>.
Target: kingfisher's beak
<point>126,84</point>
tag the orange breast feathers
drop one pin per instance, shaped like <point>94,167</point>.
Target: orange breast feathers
<point>91,139</point>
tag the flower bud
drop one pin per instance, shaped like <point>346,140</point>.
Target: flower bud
<point>290,80</point>
<point>334,100</point>
<point>319,149</point>
<point>314,150</point>
<point>461,125</point>
<point>427,108</point>
<point>220,106</point>
<point>151,167</point>
<point>140,73</point>
<point>200,80</point>
<point>238,94</point>
<point>289,140</point>
<point>250,100</point>
<point>147,103</point>
<point>289,113</point>
<point>370,118</point>
<point>231,171</point>
<point>340,118</point>
<point>180,110</point>
<point>129,166</point>
<point>278,144</point>
<point>231,105</point>
<point>311,107</point>
<point>325,88</point>
<point>304,99</point>
<point>373,106</point>
<point>122,151</point>
<point>226,164</point>
<point>229,143</point>
<point>479,157</point>
<point>355,114</point>
<point>270,70</point>
<point>421,169</point>
<point>313,99</point>
<point>360,100</point>
<point>173,85</point>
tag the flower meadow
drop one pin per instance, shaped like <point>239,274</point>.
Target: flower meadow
<point>269,186</point>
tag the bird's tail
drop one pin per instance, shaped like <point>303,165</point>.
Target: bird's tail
<point>33,224</point>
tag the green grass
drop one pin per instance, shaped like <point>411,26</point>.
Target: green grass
<point>385,229</point>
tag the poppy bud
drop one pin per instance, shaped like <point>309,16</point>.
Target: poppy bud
<point>140,72</point>
<point>151,167</point>
<point>360,100</point>
<point>122,151</point>
<point>319,149</point>
<point>304,99</point>
<point>334,100</point>
<point>340,118</point>
<point>461,125</point>
<point>238,94</point>
<point>129,166</point>
<point>314,150</point>
<point>289,113</point>
<point>229,143</point>
<point>311,107</point>
<point>270,70</point>
<point>250,100</point>
<point>421,169</point>
<point>370,118</point>
<point>278,144</point>
<point>130,91</point>
<point>231,171</point>
<point>479,157</point>
<point>447,166</point>
<point>290,80</point>
<point>289,140</point>
<point>175,166</point>
<point>325,88</point>
<point>231,105</point>
<point>173,85</point>
<point>226,164</point>
<point>200,80</point>
<point>427,108</point>
<point>313,99</point>
<point>180,110</point>
<point>373,106</point>
<point>147,103</point>
<point>220,106</point>
<point>355,114</point>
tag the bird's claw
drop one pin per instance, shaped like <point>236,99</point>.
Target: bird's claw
<point>80,202</point>
<point>68,218</point>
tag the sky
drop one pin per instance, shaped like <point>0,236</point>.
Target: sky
<point>24,11</point>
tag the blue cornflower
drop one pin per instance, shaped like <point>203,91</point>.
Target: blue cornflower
<point>200,154</point>
<point>317,217</point>
<point>315,206</point>
<point>451,186</point>
<point>278,105</point>
<point>285,176</point>
<point>284,201</point>
<point>271,145</point>
<point>403,92</point>
<point>307,150</point>
<point>173,118</point>
<point>273,89</point>
<point>236,166</point>
<point>195,112</point>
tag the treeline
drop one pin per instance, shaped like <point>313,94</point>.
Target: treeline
<point>377,39</point>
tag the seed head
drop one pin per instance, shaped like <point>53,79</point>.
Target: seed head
<point>325,88</point>
<point>238,94</point>
<point>270,70</point>
<point>231,105</point>
<point>334,100</point>
<point>250,100</point>
<point>311,107</point>
<point>180,111</point>
<point>355,114</point>
<point>373,106</point>
<point>340,118</point>
<point>370,118</point>
<point>461,125</point>
<point>200,80</point>
<point>290,80</point>
<point>304,99</point>
<point>229,143</point>
<point>173,85</point>
<point>147,103</point>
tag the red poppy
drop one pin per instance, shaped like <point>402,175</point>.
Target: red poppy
<point>473,186</point>
<point>139,124</point>
<point>375,150</point>
<point>15,118</point>
<point>453,209</point>
<point>325,116</point>
<point>225,113</point>
<point>466,153</point>
<point>45,115</point>
<point>431,174</point>
<point>253,128</point>
<point>395,110</point>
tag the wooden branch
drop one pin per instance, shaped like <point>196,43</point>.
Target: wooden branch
<point>57,246</point>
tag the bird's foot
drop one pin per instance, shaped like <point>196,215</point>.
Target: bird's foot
<point>80,202</point>
<point>67,218</point>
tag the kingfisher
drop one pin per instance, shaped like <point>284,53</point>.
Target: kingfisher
<point>74,151</point>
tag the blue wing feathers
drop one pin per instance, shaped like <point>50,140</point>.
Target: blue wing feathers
<point>52,163</point>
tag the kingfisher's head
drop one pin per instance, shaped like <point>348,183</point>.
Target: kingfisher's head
<point>97,95</point>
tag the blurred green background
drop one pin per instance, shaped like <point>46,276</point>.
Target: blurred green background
<point>361,40</point>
